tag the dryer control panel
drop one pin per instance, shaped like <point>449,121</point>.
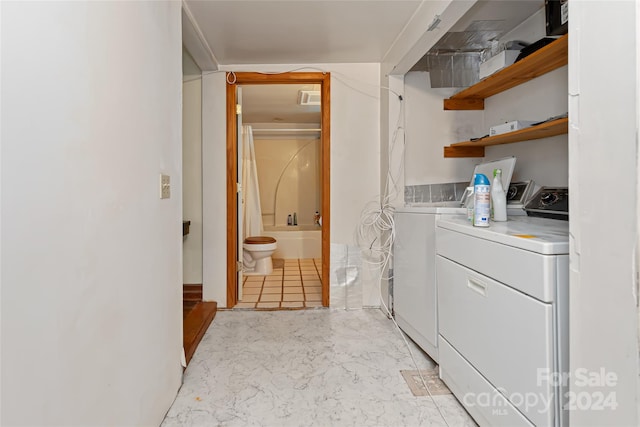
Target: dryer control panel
<point>549,202</point>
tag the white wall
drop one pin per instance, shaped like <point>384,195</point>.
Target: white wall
<point>91,257</point>
<point>392,146</point>
<point>603,148</point>
<point>543,160</point>
<point>355,156</point>
<point>214,189</point>
<point>430,129</point>
<point>192,180</point>
<point>290,166</point>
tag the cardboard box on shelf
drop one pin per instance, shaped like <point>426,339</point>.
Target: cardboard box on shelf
<point>510,126</point>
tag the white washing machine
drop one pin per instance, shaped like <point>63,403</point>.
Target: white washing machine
<point>414,280</point>
<point>414,255</point>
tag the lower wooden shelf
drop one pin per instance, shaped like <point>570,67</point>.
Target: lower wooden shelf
<point>196,321</point>
<point>476,148</point>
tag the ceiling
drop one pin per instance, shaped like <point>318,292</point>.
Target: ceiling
<point>278,104</point>
<point>302,31</point>
<point>240,32</point>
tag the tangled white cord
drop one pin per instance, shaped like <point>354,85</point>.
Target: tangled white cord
<point>376,232</point>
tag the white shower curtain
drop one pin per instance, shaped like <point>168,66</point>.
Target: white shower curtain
<point>251,212</point>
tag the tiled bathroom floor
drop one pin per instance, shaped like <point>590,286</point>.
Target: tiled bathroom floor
<point>294,283</point>
<point>323,367</point>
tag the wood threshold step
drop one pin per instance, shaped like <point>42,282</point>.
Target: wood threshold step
<point>196,324</point>
<point>192,292</point>
<point>193,297</point>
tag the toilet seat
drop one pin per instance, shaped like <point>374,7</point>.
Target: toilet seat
<point>259,240</point>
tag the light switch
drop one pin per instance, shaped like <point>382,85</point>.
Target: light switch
<point>165,186</point>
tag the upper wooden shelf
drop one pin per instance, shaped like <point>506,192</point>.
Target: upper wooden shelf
<point>548,58</point>
<point>476,148</point>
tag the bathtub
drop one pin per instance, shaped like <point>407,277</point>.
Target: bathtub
<point>296,241</point>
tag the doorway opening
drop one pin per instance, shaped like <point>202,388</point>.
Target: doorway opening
<point>234,204</point>
<point>197,314</point>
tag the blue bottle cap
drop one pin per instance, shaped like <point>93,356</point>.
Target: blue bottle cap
<point>480,179</point>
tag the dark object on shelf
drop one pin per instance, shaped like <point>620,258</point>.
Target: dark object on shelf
<point>557,17</point>
<point>479,138</point>
<point>550,119</point>
<point>526,51</point>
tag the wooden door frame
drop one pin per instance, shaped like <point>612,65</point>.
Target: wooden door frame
<point>246,78</point>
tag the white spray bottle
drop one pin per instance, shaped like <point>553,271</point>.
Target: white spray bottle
<point>498,197</point>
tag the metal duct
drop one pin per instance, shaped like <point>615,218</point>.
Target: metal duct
<point>454,61</point>
<point>453,69</point>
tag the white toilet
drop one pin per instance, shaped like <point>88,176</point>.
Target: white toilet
<point>256,255</point>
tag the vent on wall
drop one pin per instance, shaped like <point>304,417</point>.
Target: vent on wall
<point>308,97</point>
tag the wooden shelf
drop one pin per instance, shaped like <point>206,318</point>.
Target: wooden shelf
<point>476,148</point>
<point>542,61</point>
<point>195,324</point>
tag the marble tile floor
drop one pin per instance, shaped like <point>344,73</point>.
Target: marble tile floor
<point>319,367</point>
